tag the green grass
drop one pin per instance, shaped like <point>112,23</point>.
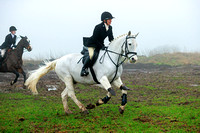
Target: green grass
<point>172,59</point>
<point>27,113</point>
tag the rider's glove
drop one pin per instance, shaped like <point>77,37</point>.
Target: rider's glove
<point>104,48</point>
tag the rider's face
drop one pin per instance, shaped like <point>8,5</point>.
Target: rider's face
<point>13,32</point>
<point>109,21</point>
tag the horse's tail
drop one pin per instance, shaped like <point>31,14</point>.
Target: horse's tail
<point>34,77</point>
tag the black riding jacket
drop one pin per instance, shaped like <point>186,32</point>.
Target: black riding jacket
<point>8,41</point>
<point>99,34</point>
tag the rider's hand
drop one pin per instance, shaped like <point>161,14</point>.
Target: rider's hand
<point>104,47</point>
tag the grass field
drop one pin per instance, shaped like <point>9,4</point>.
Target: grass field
<point>160,101</point>
<point>163,98</point>
<point>172,59</point>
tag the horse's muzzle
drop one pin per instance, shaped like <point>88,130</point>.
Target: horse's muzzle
<point>29,48</point>
<point>133,59</point>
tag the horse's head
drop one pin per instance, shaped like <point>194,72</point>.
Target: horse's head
<point>26,43</point>
<point>129,47</point>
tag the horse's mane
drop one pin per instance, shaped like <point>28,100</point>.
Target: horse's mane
<point>118,38</point>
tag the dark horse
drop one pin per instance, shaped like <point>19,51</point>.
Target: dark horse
<point>13,60</point>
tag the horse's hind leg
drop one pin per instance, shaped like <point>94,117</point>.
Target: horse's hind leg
<point>118,83</point>
<point>69,91</point>
<point>16,78</point>
<point>64,96</point>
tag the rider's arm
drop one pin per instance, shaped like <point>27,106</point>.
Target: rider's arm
<point>110,35</point>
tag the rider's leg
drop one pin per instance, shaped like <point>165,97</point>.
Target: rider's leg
<point>91,52</point>
<point>3,51</point>
<point>84,71</point>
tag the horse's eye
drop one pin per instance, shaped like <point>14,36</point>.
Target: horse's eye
<point>129,44</point>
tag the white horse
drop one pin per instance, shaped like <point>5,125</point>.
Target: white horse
<point>107,68</point>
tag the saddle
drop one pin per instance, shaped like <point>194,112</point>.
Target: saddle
<point>85,54</point>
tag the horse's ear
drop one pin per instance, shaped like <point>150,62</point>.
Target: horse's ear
<point>136,35</point>
<point>21,36</point>
<point>129,33</point>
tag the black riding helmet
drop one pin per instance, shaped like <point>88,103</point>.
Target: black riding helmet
<point>106,16</point>
<point>12,28</point>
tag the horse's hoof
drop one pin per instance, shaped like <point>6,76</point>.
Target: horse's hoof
<point>68,112</point>
<point>12,83</point>
<point>99,102</point>
<point>112,91</point>
<point>85,112</point>
<point>90,106</point>
<point>24,87</point>
<point>124,88</point>
<point>35,93</point>
<point>121,109</point>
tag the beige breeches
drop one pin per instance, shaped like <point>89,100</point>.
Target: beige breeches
<point>3,51</point>
<point>91,52</point>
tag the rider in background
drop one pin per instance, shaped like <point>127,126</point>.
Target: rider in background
<point>96,41</point>
<point>10,41</point>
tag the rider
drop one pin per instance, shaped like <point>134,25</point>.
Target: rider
<point>10,41</point>
<point>96,41</point>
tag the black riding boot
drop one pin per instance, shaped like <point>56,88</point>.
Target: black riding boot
<point>84,71</point>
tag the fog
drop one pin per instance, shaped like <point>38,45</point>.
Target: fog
<point>56,27</point>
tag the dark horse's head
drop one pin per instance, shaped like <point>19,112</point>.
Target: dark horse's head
<point>25,43</point>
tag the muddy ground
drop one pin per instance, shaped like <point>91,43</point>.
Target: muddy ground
<point>157,76</point>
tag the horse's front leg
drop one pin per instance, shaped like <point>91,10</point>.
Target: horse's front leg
<point>106,84</point>
<point>104,100</point>
<point>24,74</point>
<point>118,83</point>
<point>16,78</point>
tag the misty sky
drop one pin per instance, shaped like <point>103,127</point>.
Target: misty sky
<point>56,27</point>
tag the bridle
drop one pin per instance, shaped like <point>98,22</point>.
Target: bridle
<point>127,52</point>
